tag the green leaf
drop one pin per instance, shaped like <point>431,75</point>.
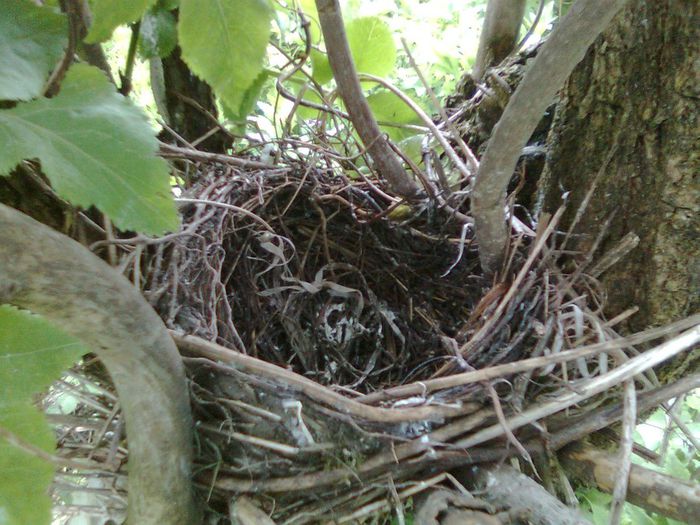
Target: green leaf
<point>412,147</point>
<point>25,478</point>
<point>320,66</point>
<point>32,39</point>
<point>372,46</point>
<point>224,43</point>
<point>96,148</point>
<point>32,355</point>
<point>108,14</point>
<point>250,99</point>
<point>158,33</point>
<point>387,107</point>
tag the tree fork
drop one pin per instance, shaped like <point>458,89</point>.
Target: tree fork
<point>54,276</point>
<point>564,48</point>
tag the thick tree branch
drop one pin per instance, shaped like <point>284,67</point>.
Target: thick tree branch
<point>350,90</point>
<point>565,48</point>
<point>52,275</point>
<point>499,34</point>
<point>654,491</point>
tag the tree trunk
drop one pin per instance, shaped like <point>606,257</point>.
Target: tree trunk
<point>187,100</point>
<point>630,112</point>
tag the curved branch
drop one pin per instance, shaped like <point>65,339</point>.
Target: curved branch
<point>343,67</point>
<point>52,275</point>
<point>555,61</point>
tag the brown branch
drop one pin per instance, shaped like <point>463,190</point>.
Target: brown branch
<point>343,67</point>
<point>556,59</point>
<point>71,9</point>
<point>653,491</point>
<point>499,34</point>
<point>52,275</point>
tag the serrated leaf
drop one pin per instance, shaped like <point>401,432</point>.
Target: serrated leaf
<point>33,354</point>
<point>107,15</point>
<point>158,33</point>
<point>25,478</point>
<point>372,47</point>
<point>224,43</point>
<point>32,39</point>
<point>96,148</point>
<point>387,107</point>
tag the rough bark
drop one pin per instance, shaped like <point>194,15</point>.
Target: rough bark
<point>636,98</point>
<point>52,275</point>
<point>182,93</point>
<point>505,487</point>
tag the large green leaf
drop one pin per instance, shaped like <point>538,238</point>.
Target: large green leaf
<point>32,39</point>
<point>32,355</point>
<point>224,43</point>
<point>108,14</point>
<point>96,148</point>
<point>158,33</point>
<point>372,46</point>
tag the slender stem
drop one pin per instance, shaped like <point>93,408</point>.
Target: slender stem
<point>126,86</point>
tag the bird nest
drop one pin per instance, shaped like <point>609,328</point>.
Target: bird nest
<point>344,349</point>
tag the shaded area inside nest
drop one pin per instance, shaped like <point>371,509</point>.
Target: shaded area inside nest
<point>325,275</point>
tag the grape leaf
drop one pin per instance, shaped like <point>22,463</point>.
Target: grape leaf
<point>96,148</point>
<point>32,39</point>
<point>32,355</point>
<point>108,14</point>
<point>224,43</point>
<point>372,46</point>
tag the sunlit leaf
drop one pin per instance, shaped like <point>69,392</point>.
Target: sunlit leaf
<point>388,107</point>
<point>32,39</point>
<point>372,47</point>
<point>96,148</point>
<point>108,14</point>
<point>224,43</point>
<point>158,33</point>
<point>32,355</point>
